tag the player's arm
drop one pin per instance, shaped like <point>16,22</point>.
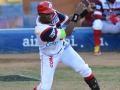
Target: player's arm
<point>50,34</point>
<point>70,27</point>
<point>79,13</point>
<point>91,7</point>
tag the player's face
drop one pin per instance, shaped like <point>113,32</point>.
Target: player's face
<point>47,18</point>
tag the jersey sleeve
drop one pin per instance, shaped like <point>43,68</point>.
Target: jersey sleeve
<point>98,11</point>
<point>50,34</point>
<point>63,18</point>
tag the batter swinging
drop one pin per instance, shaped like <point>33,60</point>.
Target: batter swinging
<point>54,49</point>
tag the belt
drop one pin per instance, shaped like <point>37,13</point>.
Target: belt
<point>59,51</point>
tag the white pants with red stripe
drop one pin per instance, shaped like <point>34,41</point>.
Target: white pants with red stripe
<point>68,57</point>
<point>106,26</point>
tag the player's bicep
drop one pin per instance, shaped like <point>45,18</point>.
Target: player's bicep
<point>52,34</point>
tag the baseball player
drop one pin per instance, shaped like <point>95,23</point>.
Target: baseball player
<point>54,49</point>
<point>107,20</point>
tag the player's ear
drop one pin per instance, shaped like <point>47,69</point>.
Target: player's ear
<point>37,32</point>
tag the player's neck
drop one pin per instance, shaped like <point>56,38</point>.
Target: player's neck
<point>45,22</point>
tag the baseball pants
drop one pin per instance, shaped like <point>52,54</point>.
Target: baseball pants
<point>106,26</point>
<point>68,57</point>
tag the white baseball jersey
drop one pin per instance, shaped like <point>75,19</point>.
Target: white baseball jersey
<point>49,38</point>
<point>105,8</point>
<point>54,50</point>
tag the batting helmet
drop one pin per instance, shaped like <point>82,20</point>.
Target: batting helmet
<point>45,7</point>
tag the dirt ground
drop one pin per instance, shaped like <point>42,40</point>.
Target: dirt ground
<point>32,60</point>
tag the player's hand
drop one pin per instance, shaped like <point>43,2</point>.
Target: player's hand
<point>91,7</point>
<point>114,18</point>
<point>80,8</point>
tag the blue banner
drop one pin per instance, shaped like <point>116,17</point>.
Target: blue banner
<point>24,41</point>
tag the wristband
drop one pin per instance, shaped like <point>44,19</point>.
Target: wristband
<point>84,13</point>
<point>75,17</point>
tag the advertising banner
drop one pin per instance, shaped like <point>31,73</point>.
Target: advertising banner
<point>24,41</point>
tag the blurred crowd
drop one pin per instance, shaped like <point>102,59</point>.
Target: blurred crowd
<point>22,13</point>
<point>11,12</point>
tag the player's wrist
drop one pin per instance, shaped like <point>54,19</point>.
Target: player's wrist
<point>84,13</point>
<point>75,17</point>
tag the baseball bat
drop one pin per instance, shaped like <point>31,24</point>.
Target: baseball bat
<point>87,1</point>
<point>90,3</point>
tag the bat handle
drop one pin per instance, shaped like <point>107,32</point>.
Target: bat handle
<point>88,1</point>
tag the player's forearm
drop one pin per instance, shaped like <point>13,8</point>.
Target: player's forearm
<point>68,21</point>
<point>69,29</point>
<point>83,14</point>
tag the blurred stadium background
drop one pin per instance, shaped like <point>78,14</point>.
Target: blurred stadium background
<point>17,22</point>
<point>22,13</point>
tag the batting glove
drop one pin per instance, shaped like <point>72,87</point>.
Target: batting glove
<point>114,18</point>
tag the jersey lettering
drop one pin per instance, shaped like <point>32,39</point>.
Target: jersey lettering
<point>49,35</point>
<point>52,33</point>
<point>48,44</point>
